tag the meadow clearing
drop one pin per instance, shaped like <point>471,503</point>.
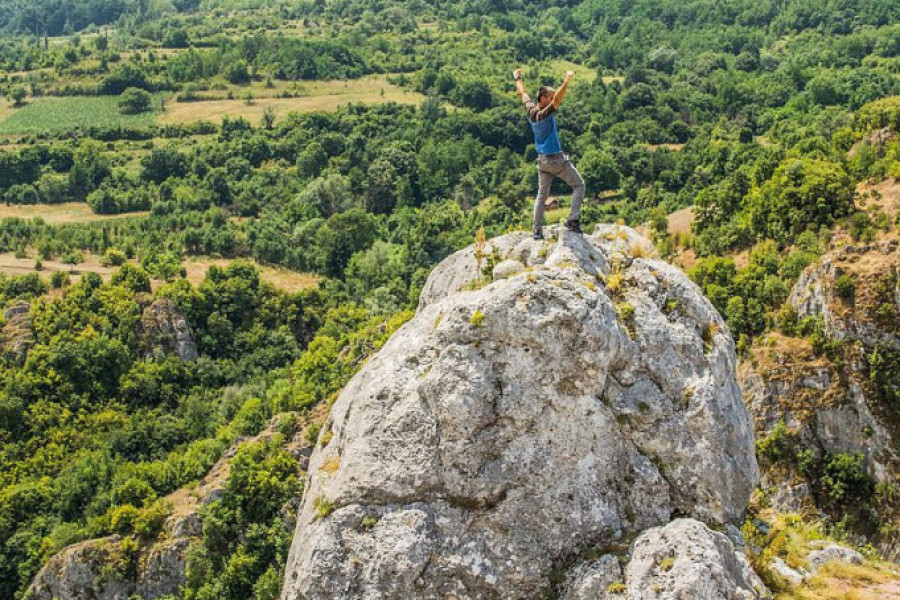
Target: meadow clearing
<point>53,115</point>
<point>59,214</point>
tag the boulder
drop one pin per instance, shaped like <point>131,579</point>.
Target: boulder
<point>505,433</point>
<point>164,330</point>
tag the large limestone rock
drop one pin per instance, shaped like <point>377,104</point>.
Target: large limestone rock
<point>684,559</point>
<point>506,432</point>
<point>165,330</point>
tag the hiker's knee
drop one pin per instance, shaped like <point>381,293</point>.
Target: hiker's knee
<point>578,183</point>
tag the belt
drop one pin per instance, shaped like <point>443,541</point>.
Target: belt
<point>554,155</point>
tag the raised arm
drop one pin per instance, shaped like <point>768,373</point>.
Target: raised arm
<point>520,87</point>
<point>561,92</point>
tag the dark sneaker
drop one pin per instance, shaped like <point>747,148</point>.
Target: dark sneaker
<point>537,235</point>
<point>574,226</point>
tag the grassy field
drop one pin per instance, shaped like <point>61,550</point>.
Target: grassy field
<point>311,96</point>
<point>196,267</point>
<point>6,109</point>
<point>10,265</point>
<point>49,115</point>
<point>56,214</point>
<point>283,279</point>
<point>582,72</point>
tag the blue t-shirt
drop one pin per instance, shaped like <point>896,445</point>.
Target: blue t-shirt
<point>543,125</point>
<point>546,135</point>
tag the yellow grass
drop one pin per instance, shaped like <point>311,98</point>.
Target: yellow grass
<point>66,212</point>
<point>10,265</point>
<point>844,581</point>
<point>6,109</point>
<point>281,278</point>
<point>582,73</point>
<point>672,147</point>
<point>680,220</point>
<point>887,196</point>
<point>314,96</point>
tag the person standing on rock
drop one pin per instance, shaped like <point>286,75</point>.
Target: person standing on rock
<point>551,162</point>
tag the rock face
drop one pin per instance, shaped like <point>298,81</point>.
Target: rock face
<point>506,432</point>
<point>684,559</point>
<point>834,405</point>
<point>831,405</point>
<point>873,268</point>
<point>118,568</point>
<point>17,332</point>
<point>104,569</point>
<point>165,330</point>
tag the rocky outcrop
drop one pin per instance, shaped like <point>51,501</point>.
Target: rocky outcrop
<point>858,315</point>
<point>164,330</point>
<point>684,559</point>
<point>109,568</point>
<point>828,402</point>
<point>119,568</point>
<point>17,332</point>
<point>515,428</point>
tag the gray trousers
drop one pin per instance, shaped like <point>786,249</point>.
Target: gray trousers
<point>557,165</point>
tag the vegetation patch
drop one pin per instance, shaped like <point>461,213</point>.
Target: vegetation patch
<point>52,115</point>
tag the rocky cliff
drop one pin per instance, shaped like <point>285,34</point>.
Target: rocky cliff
<point>831,396</point>
<point>559,419</point>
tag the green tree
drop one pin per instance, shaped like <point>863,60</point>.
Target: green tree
<point>134,100</point>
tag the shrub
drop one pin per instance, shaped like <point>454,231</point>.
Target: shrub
<point>123,518</point>
<point>845,288</point>
<point>134,101</point>
<point>59,279</point>
<point>113,258</point>
<point>775,447</point>
<point>845,479</point>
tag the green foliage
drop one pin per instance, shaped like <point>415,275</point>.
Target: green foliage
<point>845,287</point>
<point>777,446</point>
<point>134,101</point>
<point>324,507</point>
<point>801,192</point>
<point>845,480</point>
<point>884,372</point>
<point>55,115</point>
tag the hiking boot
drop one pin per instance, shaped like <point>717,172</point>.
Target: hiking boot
<point>538,235</point>
<point>574,226</point>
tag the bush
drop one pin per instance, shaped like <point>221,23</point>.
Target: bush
<point>134,101</point>
<point>113,258</point>
<point>845,479</point>
<point>776,446</point>
<point>59,279</point>
<point>845,288</point>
